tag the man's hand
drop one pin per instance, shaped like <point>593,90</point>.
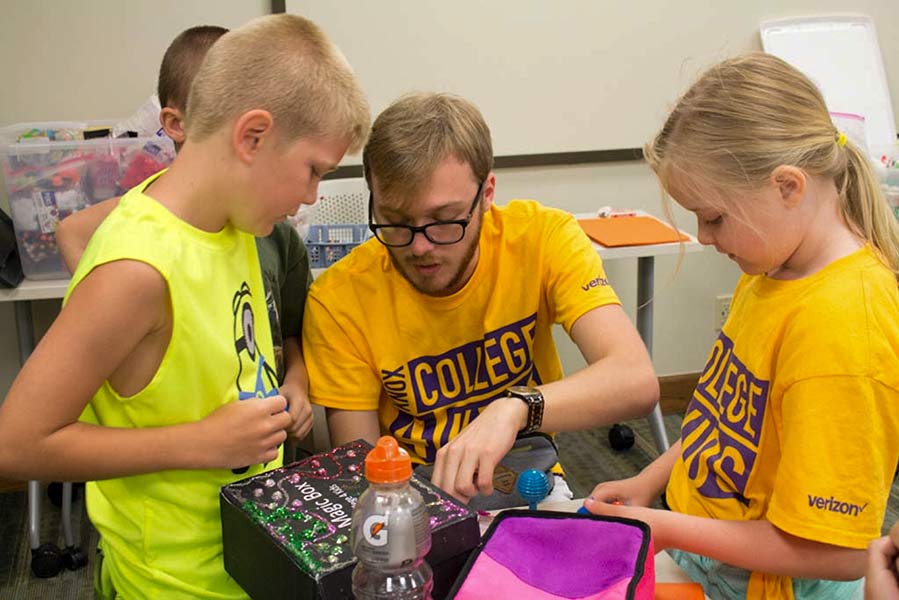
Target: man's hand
<point>464,467</point>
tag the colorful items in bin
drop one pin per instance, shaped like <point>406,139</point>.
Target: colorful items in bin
<point>53,198</point>
<point>48,180</point>
<point>326,244</point>
<point>533,487</point>
<point>51,135</point>
<point>150,159</point>
<point>286,532</point>
<point>542,554</point>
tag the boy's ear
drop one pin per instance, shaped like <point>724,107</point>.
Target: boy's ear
<point>251,131</point>
<point>171,121</point>
<point>791,182</point>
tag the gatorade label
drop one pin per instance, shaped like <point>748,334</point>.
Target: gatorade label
<point>395,539</point>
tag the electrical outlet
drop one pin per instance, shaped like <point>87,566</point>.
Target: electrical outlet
<point>722,310</point>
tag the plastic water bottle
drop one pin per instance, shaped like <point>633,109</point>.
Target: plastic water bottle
<point>390,532</point>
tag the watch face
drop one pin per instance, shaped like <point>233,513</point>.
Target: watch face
<point>523,390</point>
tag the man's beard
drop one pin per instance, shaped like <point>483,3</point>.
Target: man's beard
<point>456,281</point>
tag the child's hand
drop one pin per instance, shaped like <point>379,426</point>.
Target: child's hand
<point>242,433</point>
<point>630,492</point>
<point>881,578</point>
<point>299,409</point>
<point>650,516</point>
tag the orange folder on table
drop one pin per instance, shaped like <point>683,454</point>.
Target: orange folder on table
<point>630,231</point>
<point>679,591</point>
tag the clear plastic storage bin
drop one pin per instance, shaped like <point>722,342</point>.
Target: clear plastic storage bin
<point>48,177</point>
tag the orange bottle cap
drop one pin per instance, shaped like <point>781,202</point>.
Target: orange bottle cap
<point>387,462</point>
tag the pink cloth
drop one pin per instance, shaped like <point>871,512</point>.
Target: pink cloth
<point>562,556</point>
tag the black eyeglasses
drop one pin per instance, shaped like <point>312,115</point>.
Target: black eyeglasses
<point>442,233</point>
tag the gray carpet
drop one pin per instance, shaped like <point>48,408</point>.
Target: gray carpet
<point>586,457</point>
<point>16,579</point>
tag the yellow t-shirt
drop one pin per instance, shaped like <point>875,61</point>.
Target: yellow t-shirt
<point>430,364</point>
<point>161,532</point>
<point>795,418</point>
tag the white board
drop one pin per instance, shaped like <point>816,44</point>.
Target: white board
<point>842,56</point>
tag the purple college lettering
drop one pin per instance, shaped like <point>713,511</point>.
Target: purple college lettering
<point>437,396</point>
<point>723,424</point>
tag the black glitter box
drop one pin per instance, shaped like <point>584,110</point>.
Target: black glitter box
<point>286,532</point>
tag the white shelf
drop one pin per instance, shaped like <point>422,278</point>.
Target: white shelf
<point>36,289</point>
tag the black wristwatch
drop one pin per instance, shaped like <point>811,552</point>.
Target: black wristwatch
<point>534,399</point>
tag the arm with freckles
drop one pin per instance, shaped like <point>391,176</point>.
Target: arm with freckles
<point>345,426</point>
<point>339,379</point>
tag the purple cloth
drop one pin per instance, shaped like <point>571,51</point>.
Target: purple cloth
<point>568,557</point>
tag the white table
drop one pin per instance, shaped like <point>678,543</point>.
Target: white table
<point>666,570</point>
<point>645,255</point>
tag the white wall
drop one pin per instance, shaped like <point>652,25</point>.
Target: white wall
<point>562,76</point>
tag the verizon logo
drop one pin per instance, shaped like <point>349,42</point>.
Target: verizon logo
<point>597,282</point>
<point>833,505</point>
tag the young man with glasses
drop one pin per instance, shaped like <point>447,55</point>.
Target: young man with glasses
<point>447,314</point>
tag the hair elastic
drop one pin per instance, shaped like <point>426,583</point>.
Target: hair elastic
<point>841,139</point>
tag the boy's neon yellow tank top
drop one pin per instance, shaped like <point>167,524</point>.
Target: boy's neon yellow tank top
<point>161,532</point>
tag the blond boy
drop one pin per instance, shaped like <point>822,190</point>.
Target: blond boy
<point>160,325</point>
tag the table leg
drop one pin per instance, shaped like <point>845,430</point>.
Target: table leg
<point>34,514</point>
<point>645,285</point>
<point>25,329</point>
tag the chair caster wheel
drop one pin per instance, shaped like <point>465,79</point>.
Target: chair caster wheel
<point>46,561</point>
<point>74,558</point>
<point>621,437</point>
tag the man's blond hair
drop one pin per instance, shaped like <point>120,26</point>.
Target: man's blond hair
<point>412,136</point>
<point>283,64</point>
